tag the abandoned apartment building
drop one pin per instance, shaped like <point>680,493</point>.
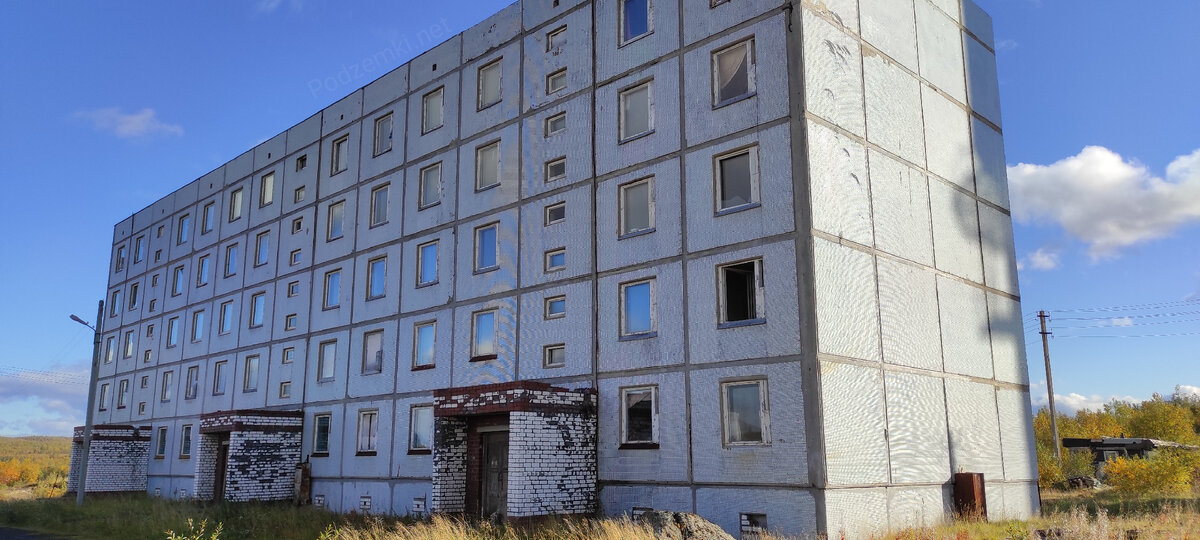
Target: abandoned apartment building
<point>751,259</point>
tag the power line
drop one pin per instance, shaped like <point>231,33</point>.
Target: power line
<point>1131,324</point>
<point>1133,316</point>
<point>57,377</point>
<point>1127,307</point>
<point>1129,335</point>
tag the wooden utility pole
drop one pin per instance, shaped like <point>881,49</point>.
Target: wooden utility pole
<point>1042,316</point>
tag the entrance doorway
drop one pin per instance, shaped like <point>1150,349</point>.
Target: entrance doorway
<point>493,492</point>
<point>222,465</point>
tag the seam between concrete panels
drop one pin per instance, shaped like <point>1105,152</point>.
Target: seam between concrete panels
<point>684,248</point>
<point>899,368</point>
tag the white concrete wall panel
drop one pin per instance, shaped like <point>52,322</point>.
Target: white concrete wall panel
<point>999,257</point>
<point>948,139</point>
<point>387,89</point>
<point>416,380</point>
<point>574,144</point>
<point>492,32</point>
<point>668,462</point>
<point>991,173</point>
<point>476,119</point>
<point>503,368</point>
<point>388,305</point>
<point>893,100</point>
<point>667,345</point>
<point>321,317</point>
<point>611,153</point>
<point>1016,431</point>
<point>471,284</point>
<point>473,201</point>
<point>417,219</point>
<point>900,205</point>
<point>1021,500</point>
<point>363,464</point>
<point>856,513</point>
<point>297,305</point>
<point>370,383</point>
<point>330,182</point>
<point>890,26</point>
<point>330,248</point>
<point>983,85</point>
<point>917,507</point>
<point>618,499</point>
<point>789,512</point>
<point>833,74</point>
<point>420,144</point>
<point>908,312</point>
<point>978,22</point>
<point>369,163</point>
<point>441,291</point>
<point>665,238</point>
<point>974,430</point>
<point>846,304</point>
<point>856,447</point>
<point>966,340</point>
<point>1008,339</point>
<point>841,191</point>
<point>379,492</point>
<point>575,235</point>
<point>940,48</point>
<point>573,331</point>
<point>317,389</point>
<point>613,57</point>
<point>575,56</point>
<point>955,232</point>
<point>918,443</point>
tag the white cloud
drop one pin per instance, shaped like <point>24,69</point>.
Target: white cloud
<point>41,403</point>
<point>1106,201</point>
<point>1042,259</point>
<point>1187,389</point>
<point>128,125</point>
<point>1071,402</point>
<point>1120,321</point>
<point>269,6</point>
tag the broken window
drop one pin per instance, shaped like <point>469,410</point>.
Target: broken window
<point>372,361</point>
<point>742,295</point>
<point>733,73</point>
<point>639,415</point>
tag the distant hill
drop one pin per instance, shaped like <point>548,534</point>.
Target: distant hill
<point>26,460</point>
<point>34,447</point>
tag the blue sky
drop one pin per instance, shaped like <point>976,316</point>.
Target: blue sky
<point>107,107</point>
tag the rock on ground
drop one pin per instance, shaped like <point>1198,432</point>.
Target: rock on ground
<point>682,526</point>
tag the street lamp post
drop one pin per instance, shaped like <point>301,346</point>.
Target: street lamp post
<point>81,486</point>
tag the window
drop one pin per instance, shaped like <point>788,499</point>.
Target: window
<point>145,381</point>
<point>555,308</point>
<point>737,179</point>
<point>235,205</point>
<point>556,260</point>
<point>424,335</point>
<point>298,194</point>
<point>753,526</point>
<point>123,394</point>
<point>639,415</point>
<point>489,85</point>
<point>110,349</point>
<point>376,278</point>
<point>133,296</point>
<point>150,306</point>
<point>139,249</point>
<point>333,281</point>
<point>184,233</point>
<point>103,398</point>
<point>485,248</point>
<point>285,389</point>
<point>177,281</point>
<point>637,112</point>
<point>294,257</point>
<point>420,428</point>
<point>431,110</point>
<point>289,355</point>
<point>159,232</point>
<point>483,335</point>
<point>333,229</point>
<point>114,304</point>
<point>231,259</point>
<point>431,186</point>
<point>427,264</point>
<point>197,326</point>
<point>637,308</point>
<point>635,19</point>
<point>487,166</point>
<point>250,374</point>
<point>555,39</point>
<point>301,163</point>
<point>326,360</point>
<point>154,280</point>
<point>741,290</point>
<point>141,407</point>
<point>258,306</point>
<point>225,318</point>
<point>173,331</point>
<point>368,431</point>
<point>321,433</point>
<point>293,289</point>
<point>266,189</point>
<point>556,82</point>
<point>219,377</point>
<point>556,213</point>
<point>203,265</point>
<point>383,134</point>
<point>556,124</point>
<point>208,218</point>
<point>289,322</point>
<point>127,351</point>
<point>146,356</point>
<point>164,394</point>
<point>554,355</point>
<point>733,73</point>
<point>372,360</point>
<point>637,207</point>
<point>339,159</point>
<point>379,205</point>
<point>185,441</point>
<point>262,248</point>
<point>556,169</point>
<point>192,383</point>
<point>157,255</point>
<point>744,412</point>
<point>149,330</point>
<point>297,225</point>
<point>160,446</point>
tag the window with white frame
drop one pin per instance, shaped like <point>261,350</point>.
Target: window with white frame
<point>555,39</point>
<point>139,249</point>
<point>331,297</point>
<point>326,360</point>
<point>639,415</point>
<point>427,264</point>
<point>340,155</point>
<point>555,307</point>
<point>333,226</point>
<point>737,179</point>
<point>207,220</point>
<point>489,85</point>
<point>556,82</point>
<point>114,303</point>
<point>297,224</point>
<point>637,308</point>
<point>420,428</point>
<point>103,397</point>
<point>225,318</point>
<point>293,289</point>
<point>556,260</point>
<point>368,430</point>
<point>636,111</point>
<point>383,134</point>
<point>556,213</point>
<point>298,193</point>
<point>483,334</point>
<point>556,124</point>
<point>321,428</point>
<point>294,257</point>
<point>184,233</point>
<point>128,348</point>
<point>250,374</point>
<point>554,355</point>
<point>431,110</point>
<point>733,73</point>
<point>379,205</point>
<point>741,291</point>
<point>122,393</point>
<point>430,189</point>
<point>636,206</point>
<point>146,356</point>
<point>185,441</point>
<point>172,331</point>
<point>198,325</point>
<point>289,321</point>
<point>177,279</point>
<point>262,248</point>
<point>424,344</point>
<point>231,259</point>
<point>120,258</point>
<point>636,20</point>
<point>160,445</point>
<point>235,205</point>
<point>191,384</point>
<point>289,355</point>
<point>486,247</point>
<point>203,267</point>
<point>744,412</point>
<point>376,278</point>
<point>266,189</point>
<point>258,307</point>
<point>133,296</point>
<point>168,386</point>
<point>219,376</point>
<point>372,356</point>
<point>487,166</point>
<point>556,169</point>
<point>285,389</point>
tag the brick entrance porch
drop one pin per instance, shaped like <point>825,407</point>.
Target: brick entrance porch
<point>248,455</point>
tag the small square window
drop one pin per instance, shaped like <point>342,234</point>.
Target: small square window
<point>301,163</point>
<point>297,225</point>
<point>636,111</point>
<point>294,257</point>
<point>154,280</point>
<point>737,179</point>
<point>487,166</point>
<point>554,356</point>
<point>555,39</point>
<point>141,407</point>
<point>285,390</point>
<point>483,335</point>
<point>383,134</point>
<point>293,289</point>
<point>639,416</point>
<point>555,308</point>
<point>149,330</point>
<point>556,82</point>
<point>289,321</point>
<point>146,356</point>
<point>733,73</point>
<point>430,190</point>
<point>556,169</point>
<point>431,110</point>
<point>556,260</point>
<point>289,355</point>
<point>489,85</point>
<point>744,408</point>
<point>152,305</point>
<point>157,255</point>
<point>635,20</point>
<point>340,155</point>
<point>298,194</point>
<point>556,124</point>
<point>145,382</point>
<point>556,213</point>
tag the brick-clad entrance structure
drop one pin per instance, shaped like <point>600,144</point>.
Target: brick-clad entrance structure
<point>248,455</point>
<point>117,460</point>
<point>518,449</point>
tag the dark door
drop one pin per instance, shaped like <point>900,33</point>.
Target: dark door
<point>222,462</point>
<point>494,492</point>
